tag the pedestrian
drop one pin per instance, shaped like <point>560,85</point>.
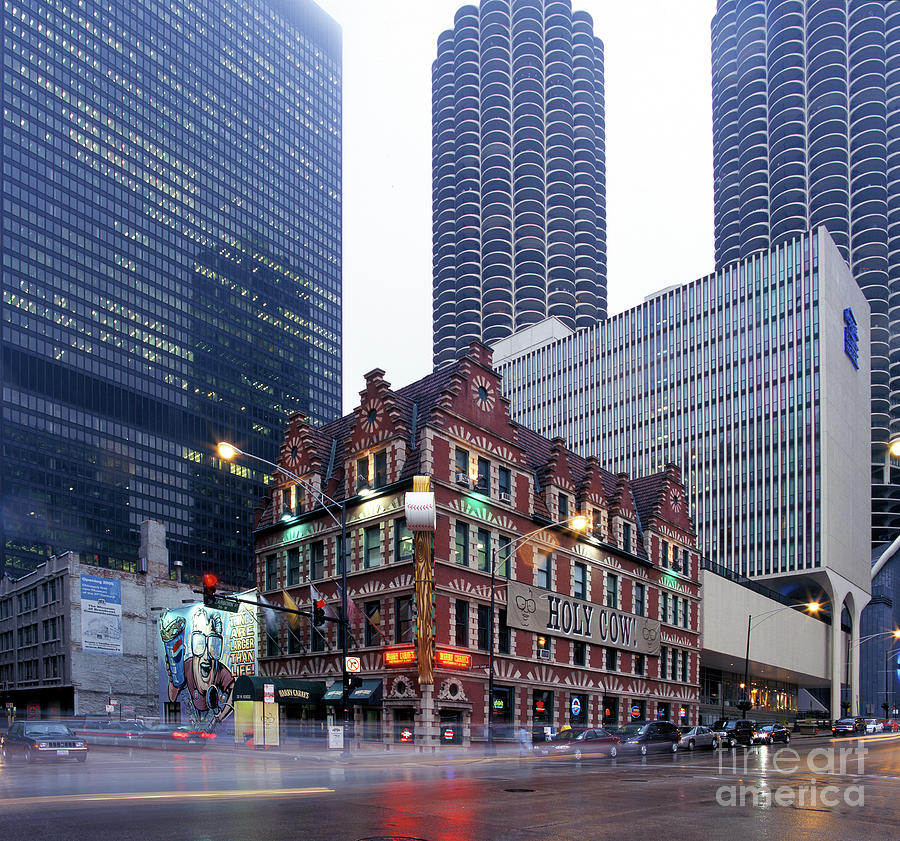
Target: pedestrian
<point>524,741</point>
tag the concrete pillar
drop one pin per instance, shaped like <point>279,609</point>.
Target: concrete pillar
<point>428,725</point>
<point>855,654</point>
<point>837,659</point>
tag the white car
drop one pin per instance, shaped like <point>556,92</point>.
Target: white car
<point>873,726</point>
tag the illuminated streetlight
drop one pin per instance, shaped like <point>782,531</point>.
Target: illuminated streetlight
<point>811,607</point>
<point>227,452</point>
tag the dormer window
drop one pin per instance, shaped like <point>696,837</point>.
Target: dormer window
<point>362,473</point>
<point>626,536</point>
<point>380,469</point>
<point>371,471</point>
<point>563,503</point>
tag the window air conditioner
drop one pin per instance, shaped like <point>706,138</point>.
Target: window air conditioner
<point>505,497</point>
<point>462,479</point>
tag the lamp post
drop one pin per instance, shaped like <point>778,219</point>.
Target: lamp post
<point>579,522</point>
<point>812,607</point>
<point>228,452</point>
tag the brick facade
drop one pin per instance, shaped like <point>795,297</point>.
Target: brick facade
<point>494,482</point>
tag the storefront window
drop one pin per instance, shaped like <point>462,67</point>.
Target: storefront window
<point>541,713</point>
<point>610,710</point>
<point>502,712</point>
<point>578,710</point>
<point>663,711</point>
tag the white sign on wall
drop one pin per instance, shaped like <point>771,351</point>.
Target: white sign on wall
<point>420,511</point>
<point>101,615</point>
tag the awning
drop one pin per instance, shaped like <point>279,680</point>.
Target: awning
<point>286,690</point>
<point>368,693</point>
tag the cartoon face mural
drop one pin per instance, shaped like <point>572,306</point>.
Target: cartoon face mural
<point>202,651</point>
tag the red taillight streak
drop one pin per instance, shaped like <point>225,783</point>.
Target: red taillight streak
<point>207,735</point>
<point>179,735</point>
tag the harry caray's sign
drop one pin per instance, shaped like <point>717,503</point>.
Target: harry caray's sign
<point>533,609</point>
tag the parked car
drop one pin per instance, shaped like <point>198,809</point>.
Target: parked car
<point>697,737</point>
<point>874,726</point>
<point>578,743</point>
<point>848,726</point>
<point>117,733</point>
<point>735,731</point>
<point>649,736</point>
<point>768,734</point>
<point>33,740</point>
<point>175,737</point>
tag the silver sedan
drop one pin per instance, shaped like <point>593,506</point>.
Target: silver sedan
<point>697,737</point>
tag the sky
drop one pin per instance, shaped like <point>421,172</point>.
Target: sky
<point>658,163</point>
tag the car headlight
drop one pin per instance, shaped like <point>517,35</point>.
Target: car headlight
<point>79,744</point>
<point>42,745</point>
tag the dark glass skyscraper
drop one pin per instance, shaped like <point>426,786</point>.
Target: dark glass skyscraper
<point>171,267</point>
<point>806,132</point>
<point>518,172</point>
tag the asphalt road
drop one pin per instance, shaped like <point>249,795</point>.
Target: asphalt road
<point>820,789</point>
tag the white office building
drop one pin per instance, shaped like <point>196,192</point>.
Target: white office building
<point>755,382</point>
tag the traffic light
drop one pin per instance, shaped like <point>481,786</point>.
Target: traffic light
<point>210,582</point>
<point>319,613</point>
<point>354,681</point>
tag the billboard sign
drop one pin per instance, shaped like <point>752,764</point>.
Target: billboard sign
<point>201,652</point>
<point>533,609</point>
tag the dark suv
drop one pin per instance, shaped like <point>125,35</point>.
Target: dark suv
<point>848,726</point>
<point>735,731</point>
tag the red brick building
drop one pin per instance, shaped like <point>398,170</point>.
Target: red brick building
<point>600,627</point>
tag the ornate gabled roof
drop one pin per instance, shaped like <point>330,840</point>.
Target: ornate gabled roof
<point>590,487</point>
<point>405,412</point>
<point>660,498</point>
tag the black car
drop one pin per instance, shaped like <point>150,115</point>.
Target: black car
<point>735,731</point>
<point>768,734</point>
<point>848,726</point>
<point>644,737</point>
<point>33,740</point>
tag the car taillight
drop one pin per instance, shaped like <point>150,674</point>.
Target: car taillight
<point>205,735</point>
<point>179,734</point>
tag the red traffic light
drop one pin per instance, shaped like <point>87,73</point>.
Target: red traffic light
<point>319,613</point>
<point>210,582</point>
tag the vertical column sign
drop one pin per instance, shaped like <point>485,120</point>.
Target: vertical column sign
<point>421,519</point>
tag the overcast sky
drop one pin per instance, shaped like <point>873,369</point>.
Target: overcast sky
<point>659,165</point>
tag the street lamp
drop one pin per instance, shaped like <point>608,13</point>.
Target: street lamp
<point>228,452</point>
<point>812,607</point>
<point>580,523</point>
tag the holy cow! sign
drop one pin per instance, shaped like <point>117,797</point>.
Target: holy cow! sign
<point>533,609</point>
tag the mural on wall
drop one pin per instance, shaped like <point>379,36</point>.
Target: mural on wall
<point>201,653</point>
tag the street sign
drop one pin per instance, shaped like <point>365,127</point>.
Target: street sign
<point>352,664</point>
<point>227,603</point>
<point>268,693</point>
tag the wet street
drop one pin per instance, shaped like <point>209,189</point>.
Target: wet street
<point>819,789</point>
